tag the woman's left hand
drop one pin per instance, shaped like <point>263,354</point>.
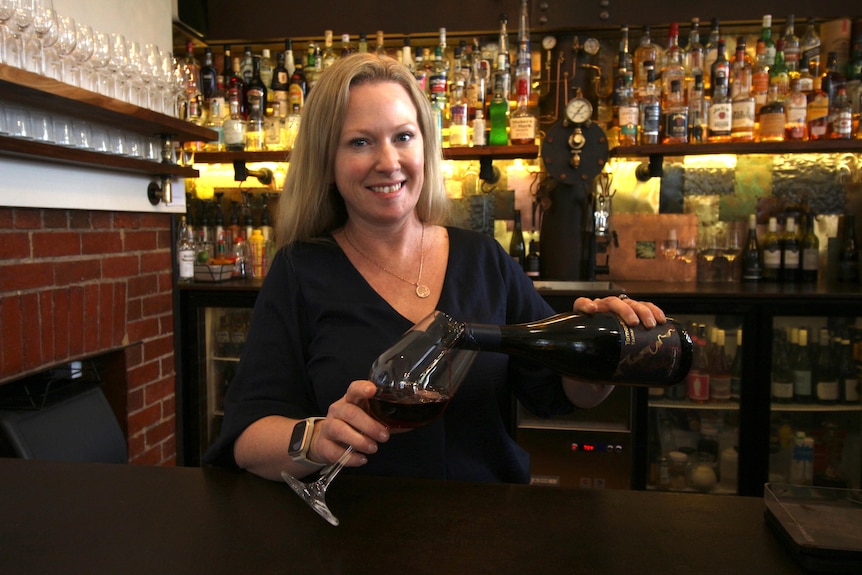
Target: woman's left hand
<point>631,311</point>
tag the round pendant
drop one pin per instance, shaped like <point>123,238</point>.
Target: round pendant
<point>423,291</point>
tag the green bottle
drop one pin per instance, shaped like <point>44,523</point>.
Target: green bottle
<point>498,116</point>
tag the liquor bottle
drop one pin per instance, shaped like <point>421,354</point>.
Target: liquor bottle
<point>522,124</point>
<point>742,101</point>
<point>256,97</point>
<point>720,378</point>
<point>236,86</point>
<point>772,252</point>
<point>280,86</point>
<point>673,67</point>
<point>752,269</point>
<point>802,370</point>
<point>759,78</point>
<point>766,35</point>
<point>328,55</point>
<point>796,114</point>
<point>848,375</point>
<point>266,71</point>
<point>362,43</point>
<point>826,377</point>
<point>782,376</point>
<point>790,253</point>
<point>598,347</point>
<point>380,45</point>
<point>809,46</point>
<point>459,116</point>
<point>628,113</point>
<point>215,123</point>
<point>778,74</point>
<point>810,252</point>
<point>191,69</point>
<point>736,369</point>
<point>624,61</point>
<point>693,57</point>
<point>186,252</point>
<point>534,260</point>
<point>792,46</point>
<point>676,115</point>
<point>646,51</point>
<point>209,76</point>
<point>710,53</point>
<point>479,129</point>
<point>740,70</point>
<point>806,80</point>
<point>246,65</point>
<point>832,78</point>
<point>841,116</point>
<point>720,68</point>
<point>697,380</point>
<point>517,248</point>
<point>818,112</point>
<point>291,127</point>
<point>772,117</point>
<point>503,57</point>
<point>297,88</point>
<point>848,257</point>
<point>256,90</point>
<point>697,112</point>
<point>650,110</point>
<point>346,47</point>
<point>498,116</point>
<point>720,112</point>
<point>234,126</point>
<point>523,67</point>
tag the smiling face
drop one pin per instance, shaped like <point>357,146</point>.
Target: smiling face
<point>379,160</point>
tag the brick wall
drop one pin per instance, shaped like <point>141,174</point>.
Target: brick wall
<point>75,283</point>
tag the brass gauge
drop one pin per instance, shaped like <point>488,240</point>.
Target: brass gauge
<point>591,46</point>
<point>579,110</point>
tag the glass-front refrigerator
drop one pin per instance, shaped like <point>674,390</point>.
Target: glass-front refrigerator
<point>815,434</point>
<point>213,331</point>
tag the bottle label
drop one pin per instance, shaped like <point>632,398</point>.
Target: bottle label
<point>651,118</point>
<point>851,390</point>
<point>782,390</point>
<point>720,118</point>
<point>186,263</point>
<point>802,383</point>
<point>676,126</point>
<point>654,354</point>
<point>791,259</point>
<point>697,386</point>
<point>772,259</point>
<point>827,390</point>
<point>628,118</point>
<point>810,259</point>
<point>522,128</point>
<point>743,115</point>
<point>719,388</point>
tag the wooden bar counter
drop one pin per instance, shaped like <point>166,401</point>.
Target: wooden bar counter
<point>94,519</point>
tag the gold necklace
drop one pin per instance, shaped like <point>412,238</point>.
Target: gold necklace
<point>422,290</point>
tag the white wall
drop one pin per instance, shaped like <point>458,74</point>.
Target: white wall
<point>36,184</point>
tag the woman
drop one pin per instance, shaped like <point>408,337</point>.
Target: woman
<point>364,256</point>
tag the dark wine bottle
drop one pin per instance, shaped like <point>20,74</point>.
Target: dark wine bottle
<point>752,269</point>
<point>517,247</point>
<point>848,257</point>
<point>598,348</point>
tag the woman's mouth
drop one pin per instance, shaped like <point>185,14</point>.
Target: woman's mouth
<point>388,189</point>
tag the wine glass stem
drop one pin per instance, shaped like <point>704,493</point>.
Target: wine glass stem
<point>332,471</point>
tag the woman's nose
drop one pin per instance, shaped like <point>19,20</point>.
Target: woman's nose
<point>387,158</point>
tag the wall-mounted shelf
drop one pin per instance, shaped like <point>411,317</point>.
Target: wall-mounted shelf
<point>33,90</point>
<point>526,151</point>
<point>813,147</point>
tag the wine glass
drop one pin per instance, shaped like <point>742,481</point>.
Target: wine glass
<point>115,65</point>
<point>81,55</point>
<point>415,380</point>
<point>150,64</point>
<point>63,46</point>
<point>132,71</point>
<point>7,10</point>
<point>44,18</point>
<point>22,19</point>
<point>99,62</point>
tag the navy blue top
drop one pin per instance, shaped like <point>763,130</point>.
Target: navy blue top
<point>318,325</point>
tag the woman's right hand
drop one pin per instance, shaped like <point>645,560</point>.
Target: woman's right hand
<point>348,423</point>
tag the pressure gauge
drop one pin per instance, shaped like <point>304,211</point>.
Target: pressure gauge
<point>548,42</point>
<point>579,110</point>
<point>591,46</point>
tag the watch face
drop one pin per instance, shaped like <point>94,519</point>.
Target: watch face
<point>297,438</point>
<point>579,110</point>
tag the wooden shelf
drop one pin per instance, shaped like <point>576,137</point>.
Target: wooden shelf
<point>527,151</point>
<point>815,147</point>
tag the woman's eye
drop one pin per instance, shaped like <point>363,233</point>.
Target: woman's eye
<point>405,137</point>
<point>359,142</point>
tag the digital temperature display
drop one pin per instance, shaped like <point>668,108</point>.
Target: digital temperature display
<point>597,447</point>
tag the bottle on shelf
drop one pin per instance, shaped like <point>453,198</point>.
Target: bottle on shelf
<point>769,43</point>
<point>810,250</point>
<point>742,102</point>
<point>720,112</point>
<point>826,377</point>
<point>697,112</point>
<point>698,378</point>
<point>186,252</point>
<point>676,115</point>
<point>498,116</point>
<point>779,75</point>
<point>517,247</point>
<point>782,375</point>
<point>796,114</point>
<point>790,252</point>
<point>297,87</point>
<point>628,113</point>
<point>772,117</point>
<point>650,109</point>
<point>848,256</point>
<point>772,252</point>
<point>848,374</point>
<point>234,126</point>
<point>458,116</point>
<point>693,58</point>
<point>534,259</point>
<point>246,64</point>
<point>740,70</point>
<point>280,86</point>
<point>256,244</point>
<point>792,49</point>
<point>597,347</point>
<point>710,53</point>
<point>759,78</point>
<point>720,67</point>
<point>809,47</point>
<point>479,129</point>
<point>265,72</point>
<point>328,55</point>
<point>841,116</point>
<point>209,75</point>
<point>256,99</point>
<point>720,378</point>
<point>752,267</point>
<point>806,80</point>
<point>818,112</point>
<point>802,370</point>
<point>736,369</point>
<point>646,51</point>
<point>522,124</point>
<point>236,86</point>
<point>672,66</point>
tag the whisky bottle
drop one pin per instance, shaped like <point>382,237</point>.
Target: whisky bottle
<point>818,112</point>
<point>710,53</point>
<point>209,75</point>
<point>256,101</point>
<point>792,51</point>
<point>628,114</point>
<point>841,116</point>
<point>697,112</point>
<point>522,124</point>
<point>740,71</point>
<point>772,252</point>
<point>809,47</point>
<point>806,80</point>
<point>693,57</point>
<point>673,67</point>
<point>280,86</point>
<point>328,55</point>
<point>720,112</point>
<point>650,109</point>
<point>772,117</point>
<point>766,35</point>
<point>234,126</point>
<point>297,88</point>
<point>759,78</point>
<point>742,101</point>
<point>796,111</point>
<point>676,116</point>
<point>646,51</point>
<point>720,68</point>
<point>778,73</point>
<point>266,70</point>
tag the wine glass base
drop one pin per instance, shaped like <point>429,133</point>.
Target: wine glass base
<point>314,494</point>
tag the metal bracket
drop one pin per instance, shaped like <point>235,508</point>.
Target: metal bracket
<point>652,170</point>
<point>157,193</point>
<point>241,173</point>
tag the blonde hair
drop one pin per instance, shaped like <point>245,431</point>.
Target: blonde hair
<point>310,205</point>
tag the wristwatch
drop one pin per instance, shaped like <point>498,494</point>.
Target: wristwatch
<point>300,440</point>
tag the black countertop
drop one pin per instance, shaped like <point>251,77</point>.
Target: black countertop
<point>97,518</point>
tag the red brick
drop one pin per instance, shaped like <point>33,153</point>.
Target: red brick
<point>142,285</point>
<point>145,418</point>
<point>158,347</point>
<point>46,323</point>
<point>160,432</point>
<point>122,266</point>
<point>78,271</point>
<point>101,221</point>
<point>145,240</point>
<point>134,355</point>
<point>76,321</point>
<point>127,220</point>
<point>166,239</point>
<point>166,281</point>
<point>28,219</point>
<point>155,261</point>
<point>31,336</point>
<point>7,218</point>
<point>142,375</point>
<point>61,322</point>
<point>16,245</point>
<point>56,244</point>
<point>157,304</point>
<point>101,242</point>
<point>135,401</point>
<point>92,318</point>
<point>105,332</point>
<point>13,336</point>
<point>24,276</point>
<point>150,457</point>
<point>119,315</point>
<point>55,219</point>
